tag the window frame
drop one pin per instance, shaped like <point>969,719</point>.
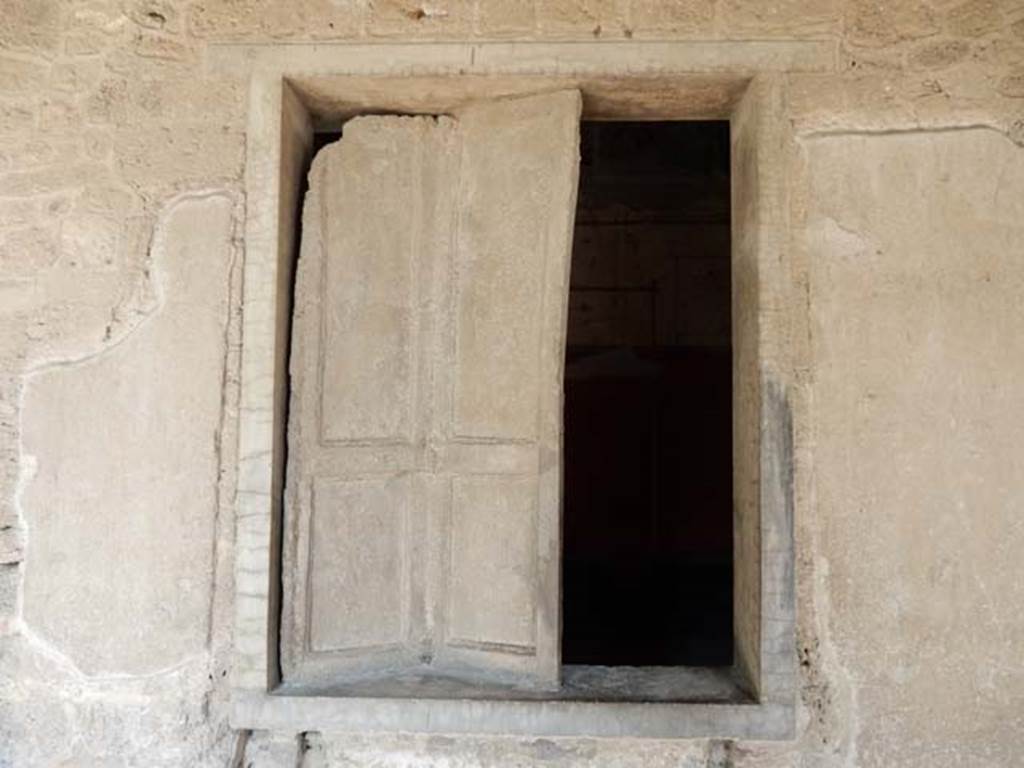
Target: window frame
<point>295,89</point>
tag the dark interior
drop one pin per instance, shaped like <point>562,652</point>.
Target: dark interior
<point>647,559</point>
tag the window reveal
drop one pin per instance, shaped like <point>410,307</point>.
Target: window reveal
<point>647,542</point>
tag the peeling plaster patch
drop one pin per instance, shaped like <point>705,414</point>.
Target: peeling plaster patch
<point>155,339</point>
<point>916,470</point>
<point>152,720</point>
<point>56,340</point>
<point>130,502</point>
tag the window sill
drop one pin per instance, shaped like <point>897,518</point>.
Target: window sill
<point>541,718</point>
<point>699,685</point>
<point>603,702</point>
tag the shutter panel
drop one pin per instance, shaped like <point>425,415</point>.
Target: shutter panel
<point>422,506</point>
<point>519,164</point>
<point>375,227</point>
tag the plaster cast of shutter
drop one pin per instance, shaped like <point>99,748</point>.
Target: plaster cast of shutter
<point>376,225</point>
<point>423,498</point>
<point>519,165</point>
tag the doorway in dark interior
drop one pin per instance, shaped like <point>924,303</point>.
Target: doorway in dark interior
<point>647,517</point>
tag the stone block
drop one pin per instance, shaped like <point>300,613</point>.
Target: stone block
<point>77,76</point>
<point>335,19</point>
<point>165,99</point>
<point>92,27</point>
<point>782,18</point>
<point>17,116</point>
<point>246,18</point>
<point>154,14</point>
<point>59,114</point>
<point>21,76</point>
<point>36,152</point>
<point>581,17</point>
<point>506,18</point>
<point>873,24</point>
<point>1012,85</point>
<point>938,54</point>
<point>974,18</point>
<point>51,179</point>
<point>688,17</point>
<point>167,156</point>
<point>150,44</point>
<point>420,18</point>
<point>108,103</point>
<point>30,25</point>
<point>88,42</point>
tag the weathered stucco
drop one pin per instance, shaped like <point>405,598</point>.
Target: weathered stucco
<point>121,161</point>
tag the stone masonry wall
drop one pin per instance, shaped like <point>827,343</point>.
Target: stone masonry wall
<point>121,161</point>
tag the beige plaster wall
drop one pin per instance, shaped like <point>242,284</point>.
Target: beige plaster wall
<point>121,156</point>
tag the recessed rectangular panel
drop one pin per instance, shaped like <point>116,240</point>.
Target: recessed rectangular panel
<point>358,570</point>
<point>492,569</point>
<point>512,185</point>
<point>372,198</point>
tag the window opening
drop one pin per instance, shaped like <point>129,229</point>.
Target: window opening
<point>647,505</point>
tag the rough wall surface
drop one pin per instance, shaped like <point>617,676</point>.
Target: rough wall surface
<point>121,160</point>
